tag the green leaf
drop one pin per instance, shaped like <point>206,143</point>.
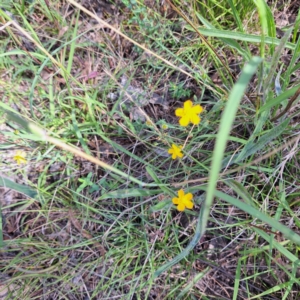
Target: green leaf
<point>240,190</point>
<point>129,193</point>
<point>231,42</point>
<point>228,116</point>
<point>23,189</point>
<point>160,205</point>
<point>275,101</point>
<point>186,251</point>
<point>255,213</point>
<point>165,189</point>
<point>30,127</point>
<point>290,70</point>
<point>275,59</point>
<point>253,148</point>
<point>240,36</point>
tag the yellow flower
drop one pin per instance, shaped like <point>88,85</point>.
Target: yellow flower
<point>175,151</point>
<point>183,201</point>
<point>189,113</point>
<point>20,157</point>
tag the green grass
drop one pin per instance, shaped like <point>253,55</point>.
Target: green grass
<point>90,216</point>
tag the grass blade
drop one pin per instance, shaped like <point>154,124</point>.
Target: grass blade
<point>275,101</point>
<point>127,193</point>
<point>224,131</point>
<point>287,232</point>
<point>23,189</point>
<point>275,60</point>
<point>251,38</point>
<point>230,42</point>
<point>252,148</point>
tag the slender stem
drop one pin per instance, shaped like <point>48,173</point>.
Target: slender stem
<point>291,101</point>
<point>96,161</point>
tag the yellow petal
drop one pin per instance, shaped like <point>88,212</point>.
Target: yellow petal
<point>184,121</point>
<point>175,151</point>
<point>188,105</point>
<point>195,119</point>
<point>20,157</point>
<point>181,193</point>
<point>189,204</point>
<point>188,196</point>
<point>175,200</point>
<point>179,154</point>
<point>21,160</point>
<point>20,153</point>
<point>197,109</point>
<point>181,207</point>
<point>179,112</point>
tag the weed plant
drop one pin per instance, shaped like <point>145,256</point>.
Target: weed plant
<point>149,150</point>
